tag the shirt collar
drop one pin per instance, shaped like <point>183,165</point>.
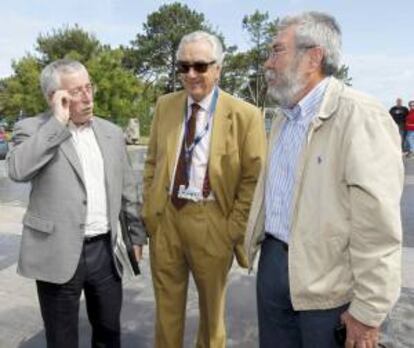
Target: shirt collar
<point>308,106</point>
<point>204,103</point>
<point>82,127</point>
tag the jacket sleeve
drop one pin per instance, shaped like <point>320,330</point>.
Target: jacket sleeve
<point>131,206</point>
<point>374,175</point>
<point>150,161</point>
<point>34,145</point>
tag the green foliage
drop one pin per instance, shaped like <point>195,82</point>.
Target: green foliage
<point>67,42</point>
<point>343,74</point>
<point>130,79</point>
<point>21,92</point>
<point>118,90</point>
<point>235,72</point>
<point>152,54</point>
<point>243,72</point>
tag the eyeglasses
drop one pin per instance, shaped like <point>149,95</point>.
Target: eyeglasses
<point>88,89</point>
<point>199,67</point>
<point>277,51</point>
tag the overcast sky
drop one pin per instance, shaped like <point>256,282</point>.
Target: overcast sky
<point>378,41</point>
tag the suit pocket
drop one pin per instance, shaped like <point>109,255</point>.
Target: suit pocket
<point>38,224</point>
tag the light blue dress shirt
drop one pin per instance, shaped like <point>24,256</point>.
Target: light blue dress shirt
<point>284,156</point>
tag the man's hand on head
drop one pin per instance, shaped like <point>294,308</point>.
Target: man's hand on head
<point>59,103</point>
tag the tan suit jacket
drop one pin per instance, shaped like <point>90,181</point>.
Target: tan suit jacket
<point>237,152</point>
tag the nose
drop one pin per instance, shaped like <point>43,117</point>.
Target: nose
<point>192,73</point>
<point>87,96</point>
<point>268,63</point>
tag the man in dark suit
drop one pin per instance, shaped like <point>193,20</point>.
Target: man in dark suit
<point>81,178</point>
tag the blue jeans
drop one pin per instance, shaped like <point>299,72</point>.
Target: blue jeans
<point>409,140</point>
<point>401,128</point>
<point>279,324</point>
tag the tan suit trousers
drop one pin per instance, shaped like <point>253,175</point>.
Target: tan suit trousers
<point>193,239</point>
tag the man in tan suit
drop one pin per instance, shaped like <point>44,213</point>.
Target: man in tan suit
<point>205,153</point>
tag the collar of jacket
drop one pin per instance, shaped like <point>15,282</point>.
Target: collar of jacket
<point>329,103</point>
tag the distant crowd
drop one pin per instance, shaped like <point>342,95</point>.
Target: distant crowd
<point>404,117</point>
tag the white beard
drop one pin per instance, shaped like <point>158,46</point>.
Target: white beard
<point>289,85</point>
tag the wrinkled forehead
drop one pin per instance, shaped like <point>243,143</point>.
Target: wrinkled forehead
<point>200,50</point>
<point>71,80</point>
<point>285,37</point>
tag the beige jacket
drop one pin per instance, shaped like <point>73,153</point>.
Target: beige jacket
<point>345,241</point>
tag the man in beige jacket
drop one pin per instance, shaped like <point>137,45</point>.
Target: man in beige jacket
<point>326,210</point>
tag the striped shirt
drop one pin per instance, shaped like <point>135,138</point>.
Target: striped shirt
<point>284,156</point>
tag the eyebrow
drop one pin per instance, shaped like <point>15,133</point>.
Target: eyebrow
<point>277,45</point>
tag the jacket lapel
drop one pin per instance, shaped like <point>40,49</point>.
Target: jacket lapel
<point>104,140</point>
<point>69,151</point>
<point>174,122</point>
<point>220,145</point>
<point>221,130</point>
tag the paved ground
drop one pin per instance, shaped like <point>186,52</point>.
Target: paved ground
<point>20,322</point>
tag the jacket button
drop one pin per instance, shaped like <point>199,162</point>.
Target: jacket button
<point>84,202</point>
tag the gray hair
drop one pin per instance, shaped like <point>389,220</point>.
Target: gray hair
<point>318,29</point>
<point>213,40</point>
<point>50,75</point>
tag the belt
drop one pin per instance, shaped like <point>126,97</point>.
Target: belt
<point>90,239</point>
<point>284,245</point>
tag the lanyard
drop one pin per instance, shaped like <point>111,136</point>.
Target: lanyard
<point>188,150</point>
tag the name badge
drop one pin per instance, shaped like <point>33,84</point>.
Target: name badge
<point>189,193</point>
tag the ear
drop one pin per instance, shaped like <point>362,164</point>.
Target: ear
<point>217,72</point>
<point>49,98</point>
<point>218,69</point>
<point>316,55</point>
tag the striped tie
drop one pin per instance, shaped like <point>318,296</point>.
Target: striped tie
<point>181,177</point>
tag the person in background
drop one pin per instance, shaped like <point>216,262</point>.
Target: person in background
<point>409,129</point>
<point>399,112</point>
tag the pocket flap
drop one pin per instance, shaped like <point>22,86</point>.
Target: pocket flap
<point>38,224</point>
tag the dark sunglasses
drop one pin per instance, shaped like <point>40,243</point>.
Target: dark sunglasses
<point>200,67</point>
